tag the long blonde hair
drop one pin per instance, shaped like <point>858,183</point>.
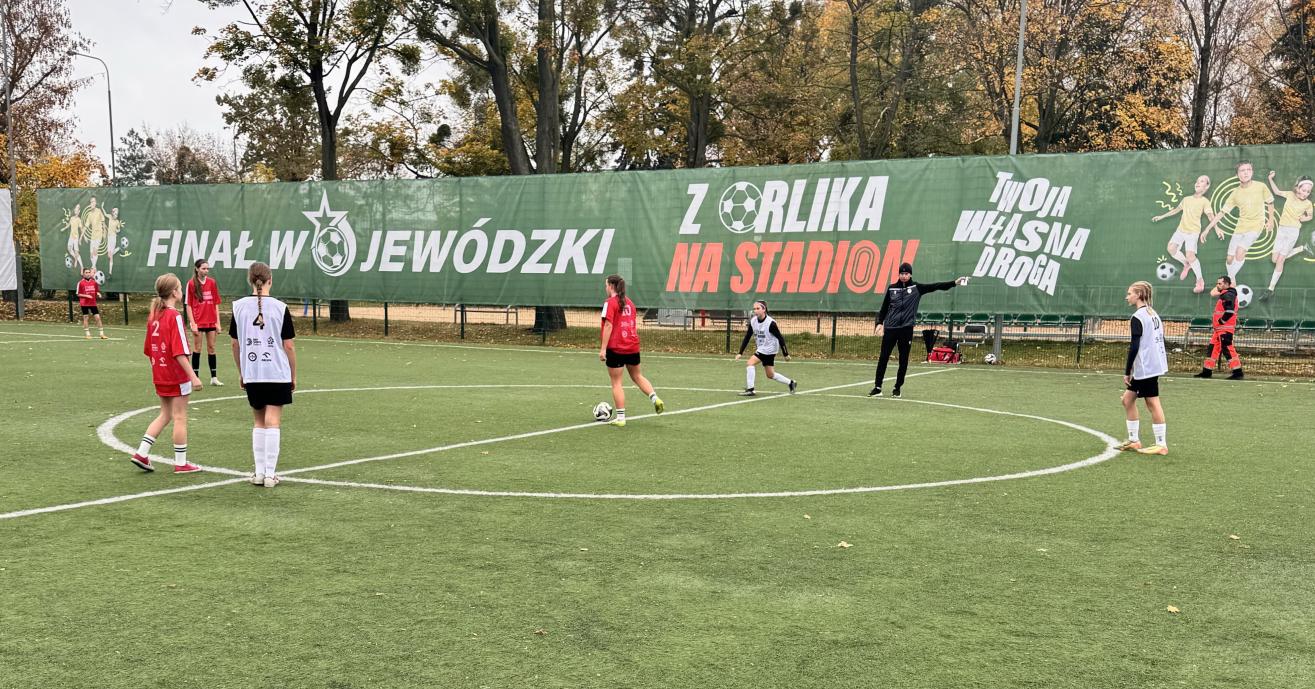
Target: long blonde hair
<point>165,286</point>
<point>1142,289</point>
<point>259,275</point>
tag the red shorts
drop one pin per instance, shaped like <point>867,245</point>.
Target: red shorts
<point>179,390</point>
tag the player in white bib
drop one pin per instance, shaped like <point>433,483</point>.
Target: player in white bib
<point>266,361</point>
<point>768,342</point>
<point>1146,363</point>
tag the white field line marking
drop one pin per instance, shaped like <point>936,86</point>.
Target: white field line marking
<point>105,432</point>
<point>563,350</point>
<point>118,498</point>
<point>11,332</point>
<point>5,342</point>
<point>1110,452</point>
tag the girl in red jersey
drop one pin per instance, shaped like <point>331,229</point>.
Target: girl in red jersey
<point>166,347</point>
<point>202,302</point>
<point>88,293</point>
<point>620,347</point>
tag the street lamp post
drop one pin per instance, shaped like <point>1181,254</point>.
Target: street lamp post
<point>1018,80</point>
<point>237,171</point>
<point>110,97</point>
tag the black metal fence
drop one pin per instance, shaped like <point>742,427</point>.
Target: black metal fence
<point>1087,342</point>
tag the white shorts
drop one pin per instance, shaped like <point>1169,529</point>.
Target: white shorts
<point>1186,240</point>
<point>1286,239</point>
<point>1242,241</point>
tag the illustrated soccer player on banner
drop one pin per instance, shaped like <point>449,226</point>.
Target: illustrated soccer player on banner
<point>769,342</point>
<point>93,222</point>
<point>1182,245</point>
<point>1147,361</point>
<point>1297,209</point>
<point>1255,213</point>
<point>1223,323</point>
<point>75,236</point>
<point>899,311</point>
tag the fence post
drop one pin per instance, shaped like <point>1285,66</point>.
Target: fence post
<point>728,331</point>
<point>125,307</point>
<point>833,333</point>
<point>315,316</point>
<point>997,348</point>
<point>70,306</point>
<point>462,309</point>
<point>385,319</point>
<point>1081,328</point>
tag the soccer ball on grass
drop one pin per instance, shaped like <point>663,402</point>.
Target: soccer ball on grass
<point>602,411</point>
<point>990,358</point>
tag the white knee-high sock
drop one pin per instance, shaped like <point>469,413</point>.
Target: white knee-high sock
<point>1159,429</point>
<point>750,372</point>
<point>271,450</point>
<point>144,449</point>
<point>1273,279</point>
<point>1196,267</point>
<point>258,449</point>
<point>1134,429</point>
<point>780,378</point>
<point>1233,269</point>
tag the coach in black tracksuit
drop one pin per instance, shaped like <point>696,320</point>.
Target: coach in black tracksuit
<point>899,310</point>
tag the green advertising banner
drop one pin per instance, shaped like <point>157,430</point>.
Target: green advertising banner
<point>1058,234</point>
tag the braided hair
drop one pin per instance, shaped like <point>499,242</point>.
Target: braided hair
<point>259,276</point>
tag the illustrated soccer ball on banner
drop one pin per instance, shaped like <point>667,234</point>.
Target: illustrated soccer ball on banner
<point>602,411</point>
<point>1166,271</point>
<point>100,277</point>
<point>739,206</point>
<point>331,248</point>
<point>1243,296</point>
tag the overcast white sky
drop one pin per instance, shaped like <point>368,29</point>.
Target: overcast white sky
<point>152,56</point>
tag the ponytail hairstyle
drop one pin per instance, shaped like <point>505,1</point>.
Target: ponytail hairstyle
<point>1142,289</point>
<point>165,286</point>
<point>196,278</point>
<point>259,277</point>
<point>760,301</point>
<point>618,284</point>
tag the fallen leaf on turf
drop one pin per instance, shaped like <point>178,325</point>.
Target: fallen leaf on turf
<point>807,516</point>
<point>541,631</point>
<point>1234,537</point>
<point>584,550</point>
<point>843,544</point>
<point>1173,609</point>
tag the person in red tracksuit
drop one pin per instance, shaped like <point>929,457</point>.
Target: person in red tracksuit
<point>88,293</point>
<point>1223,323</point>
<point>166,347</point>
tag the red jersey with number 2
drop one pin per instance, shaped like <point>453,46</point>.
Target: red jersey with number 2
<point>165,341</point>
<point>621,314</point>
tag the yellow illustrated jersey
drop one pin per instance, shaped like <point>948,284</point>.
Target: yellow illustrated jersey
<point>1293,209</point>
<point>1193,208</point>
<point>1250,204</point>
